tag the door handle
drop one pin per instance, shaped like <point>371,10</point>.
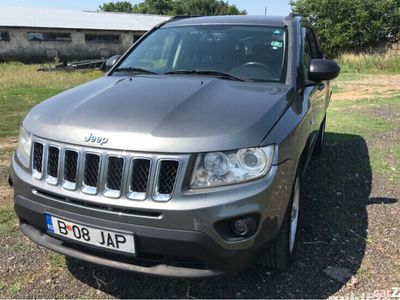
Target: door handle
<point>321,86</point>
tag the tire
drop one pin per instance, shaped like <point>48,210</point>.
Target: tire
<point>281,253</point>
<point>319,144</point>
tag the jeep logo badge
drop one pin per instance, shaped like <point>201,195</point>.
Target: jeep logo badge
<point>96,139</point>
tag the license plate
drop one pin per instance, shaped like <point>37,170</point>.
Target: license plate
<point>116,241</point>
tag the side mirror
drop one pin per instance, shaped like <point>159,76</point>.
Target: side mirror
<point>111,62</point>
<point>323,69</point>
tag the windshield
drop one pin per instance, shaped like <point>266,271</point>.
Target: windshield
<point>251,53</point>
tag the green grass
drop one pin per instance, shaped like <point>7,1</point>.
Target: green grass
<point>19,284</point>
<point>337,89</point>
<point>369,64</point>
<point>342,105</point>
<point>56,262</point>
<point>387,162</point>
<point>350,76</point>
<point>357,122</point>
<point>17,75</point>
<point>362,272</point>
<point>15,103</point>
<point>8,220</point>
<point>22,87</point>
<point>15,288</point>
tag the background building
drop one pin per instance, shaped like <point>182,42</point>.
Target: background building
<point>41,34</point>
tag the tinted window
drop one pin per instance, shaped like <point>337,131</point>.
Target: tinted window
<point>250,52</point>
<point>4,36</point>
<point>315,50</point>
<point>102,38</point>
<point>49,36</point>
<point>307,55</point>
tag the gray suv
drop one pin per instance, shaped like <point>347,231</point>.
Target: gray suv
<point>186,158</point>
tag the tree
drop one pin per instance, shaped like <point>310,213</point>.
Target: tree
<point>157,7</point>
<point>120,6</point>
<point>351,25</point>
<point>206,8</point>
<point>175,7</point>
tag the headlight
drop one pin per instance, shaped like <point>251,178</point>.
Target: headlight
<point>230,167</point>
<point>24,147</point>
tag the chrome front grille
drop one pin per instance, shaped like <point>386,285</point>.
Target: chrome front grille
<point>112,175</point>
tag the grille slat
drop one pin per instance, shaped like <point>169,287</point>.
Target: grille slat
<point>53,156</point>
<point>140,175</point>
<point>139,178</point>
<point>115,168</point>
<point>168,170</point>
<point>91,173</point>
<point>52,162</point>
<point>115,175</point>
<point>38,157</point>
<point>70,166</point>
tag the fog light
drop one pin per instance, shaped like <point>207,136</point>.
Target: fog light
<point>241,227</point>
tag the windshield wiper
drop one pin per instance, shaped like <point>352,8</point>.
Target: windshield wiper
<point>134,70</point>
<point>207,72</point>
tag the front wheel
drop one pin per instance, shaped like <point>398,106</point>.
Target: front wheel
<point>281,253</point>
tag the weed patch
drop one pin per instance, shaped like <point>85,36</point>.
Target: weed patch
<point>8,220</point>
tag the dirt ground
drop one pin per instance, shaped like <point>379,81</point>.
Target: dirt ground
<point>348,242</point>
<point>367,85</point>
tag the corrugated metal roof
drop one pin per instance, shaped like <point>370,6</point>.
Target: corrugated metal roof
<point>11,16</point>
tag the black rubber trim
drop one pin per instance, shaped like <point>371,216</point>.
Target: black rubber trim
<point>150,241</point>
<point>160,270</point>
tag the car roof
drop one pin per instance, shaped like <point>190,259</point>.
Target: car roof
<point>278,21</point>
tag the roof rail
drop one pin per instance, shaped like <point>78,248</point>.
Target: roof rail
<point>176,18</point>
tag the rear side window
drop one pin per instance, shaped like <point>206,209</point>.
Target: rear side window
<point>4,36</point>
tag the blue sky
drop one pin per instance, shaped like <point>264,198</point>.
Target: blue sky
<point>253,7</point>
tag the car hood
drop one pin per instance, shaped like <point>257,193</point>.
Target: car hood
<point>166,113</point>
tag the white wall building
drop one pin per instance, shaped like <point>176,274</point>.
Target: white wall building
<point>42,34</point>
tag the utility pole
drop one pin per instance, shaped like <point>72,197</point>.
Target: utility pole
<point>266,9</point>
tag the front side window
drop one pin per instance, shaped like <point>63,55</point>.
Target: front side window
<point>49,36</point>
<point>311,49</point>
<point>252,53</point>
<point>4,36</point>
<point>307,54</point>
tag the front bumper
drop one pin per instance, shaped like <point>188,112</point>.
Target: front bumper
<point>177,242</point>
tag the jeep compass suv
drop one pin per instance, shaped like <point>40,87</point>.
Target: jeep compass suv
<point>186,158</point>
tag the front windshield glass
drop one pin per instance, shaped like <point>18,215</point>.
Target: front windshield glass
<point>251,53</point>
